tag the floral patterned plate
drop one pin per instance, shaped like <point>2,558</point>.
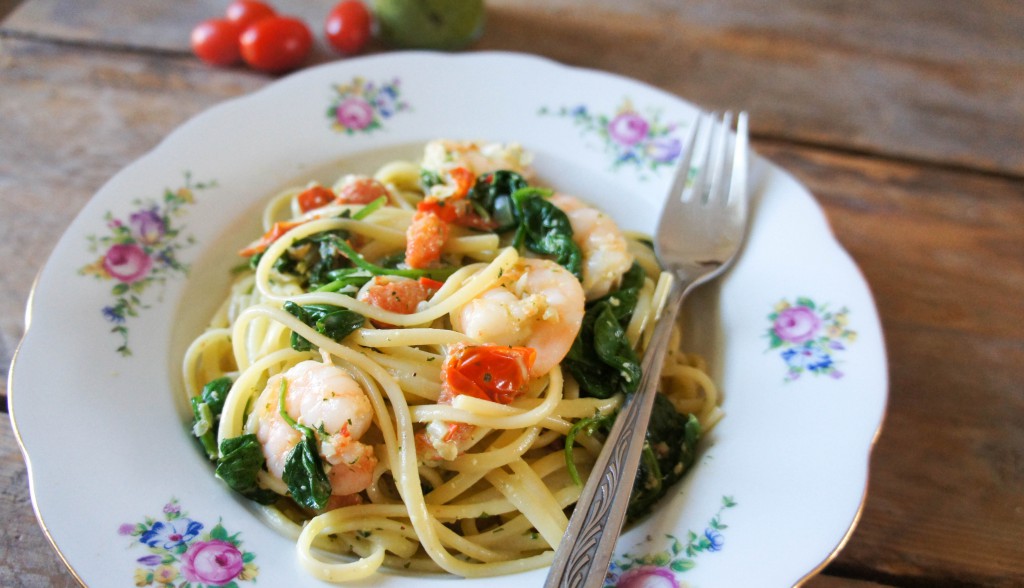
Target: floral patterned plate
<point>126,495</point>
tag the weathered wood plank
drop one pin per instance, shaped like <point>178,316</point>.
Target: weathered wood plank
<point>27,560</point>
<point>947,471</point>
<point>826,581</point>
<point>944,253</point>
<point>69,120</point>
<point>935,80</point>
<point>6,7</point>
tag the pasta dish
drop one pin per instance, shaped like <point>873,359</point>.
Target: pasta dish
<point>416,369</point>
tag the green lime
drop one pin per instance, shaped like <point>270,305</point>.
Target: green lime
<point>429,24</point>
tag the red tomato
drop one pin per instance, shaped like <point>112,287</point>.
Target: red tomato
<point>348,26</point>
<point>215,41</point>
<point>246,12</point>
<point>276,44</point>
<point>314,197</point>
<point>490,372</point>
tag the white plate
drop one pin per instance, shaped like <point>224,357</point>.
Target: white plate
<point>791,332</point>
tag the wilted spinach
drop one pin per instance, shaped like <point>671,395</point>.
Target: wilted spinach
<point>303,468</point>
<point>545,229</point>
<point>332,321</point>
<point>601,358</point>
<point>241,459</point>
<point>669,450</point>
<point>598,424</point>
<point>206,409</point>
<point>491,196</point>
<point>346,280</point>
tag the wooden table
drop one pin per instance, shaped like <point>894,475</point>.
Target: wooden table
<point>905,119</point>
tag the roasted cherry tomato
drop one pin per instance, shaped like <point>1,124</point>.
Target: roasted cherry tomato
<point>348,26</point>
<point>276,44</point>
<point>215,41</point>
<point>315,197</point>
<point>490,372</point>
<point>246,12</point>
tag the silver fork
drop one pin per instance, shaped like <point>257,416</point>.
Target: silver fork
<point>700,230</point>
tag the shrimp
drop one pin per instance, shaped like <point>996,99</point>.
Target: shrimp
<point>537,304</point>
<point>397,294</point>
<point>442,156</point>
<point>356,189</point>
<point>425,238</point>
<point>606,256</point>
<point>326,399</point>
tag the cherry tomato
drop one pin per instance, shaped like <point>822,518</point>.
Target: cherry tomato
<point>246,12</point>
<point>315,197</point>
<point>348,26</point>
<point>276,44</point>
<point>215,41</point>
<point>490,372</point>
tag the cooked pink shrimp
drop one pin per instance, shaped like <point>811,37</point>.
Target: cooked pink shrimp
<point>606,255</point>
<point>326,399</point>
<point>480,158</point>
<point>537,304</point>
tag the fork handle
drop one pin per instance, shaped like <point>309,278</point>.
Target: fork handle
<point>582,559</point>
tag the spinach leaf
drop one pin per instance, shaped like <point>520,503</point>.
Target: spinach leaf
<point>241,459</point>
<point>335,322</point>
<point>304,474</point>
<point>491,196</point>
<point>599,423</point>
<point>380,270</point>
<point>324,255</point>
<point>545,229</point>
<point>614,349</point>
<point>429,179</point>
<point>601,358</point>
<point>349,279</point>
<point>206,409</point>
<point>669,451</point>
<point>303,469</point>
<point>369,208</point>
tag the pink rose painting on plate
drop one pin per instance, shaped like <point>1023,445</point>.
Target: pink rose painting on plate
<point>182,553</point>
<point>808,336</point>
<point>634,139</point>
<point>139,251</point>
<point>362,107</point>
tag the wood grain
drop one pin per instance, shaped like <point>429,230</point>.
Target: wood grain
<point>915,79</point>
<point>79,117</point>
<point>27,560</point>
<point>902,118</point>
<point>944,254</point>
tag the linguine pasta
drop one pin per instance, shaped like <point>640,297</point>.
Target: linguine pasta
<point>474,484</point>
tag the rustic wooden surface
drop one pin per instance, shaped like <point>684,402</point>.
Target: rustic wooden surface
<point>903,118</point>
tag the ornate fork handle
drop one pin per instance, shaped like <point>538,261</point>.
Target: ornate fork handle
<point>605,497</point>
